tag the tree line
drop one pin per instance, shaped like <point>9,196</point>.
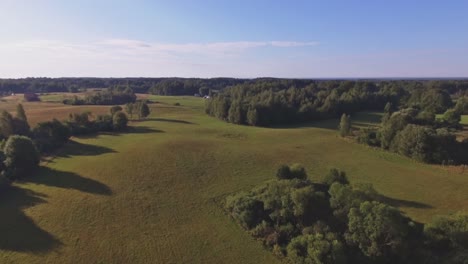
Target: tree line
<point>334,221</point>
<point>270,102</point>
<point>113,96</point>
<point>161,86</point>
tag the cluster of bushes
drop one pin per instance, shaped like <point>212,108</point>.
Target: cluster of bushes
<point>21,146</point>
<point>335,222</point>
<point>417,134</point>
<point>108,97</point>
<point>274,102</point>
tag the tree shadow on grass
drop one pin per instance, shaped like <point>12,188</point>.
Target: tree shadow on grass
<point>170,121</point>
<point>74,148</point>
<point>68,180</point>
<point>141,130</point>
<point>402,203</point>
<point>18,232</point>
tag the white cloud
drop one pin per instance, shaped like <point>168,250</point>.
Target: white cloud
<point>126,57</point>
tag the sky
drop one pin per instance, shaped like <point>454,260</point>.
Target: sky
<point>242,38</point>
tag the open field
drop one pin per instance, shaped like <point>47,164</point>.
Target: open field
<point>152,195</point>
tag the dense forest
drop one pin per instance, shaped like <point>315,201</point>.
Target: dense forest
<point>270,102</point>
<point>334,221</point>
<point>160,86</point>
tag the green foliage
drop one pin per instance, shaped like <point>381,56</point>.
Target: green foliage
<point>368,136</point>
<point>130,109</point>
<point>252,116</point>
<point>144,110</point>
<point>378,230</point>
<point>296,171</point>
<point>245,209</point>
<point>414,141</point>
<point>317,249</point>
<point>345,125</point>
<point>120,120</point>
<point>113,96</point>
<point>448,232</point>
<point>114,109</point>
<point>335,175</point>
<point>452,117</point>
<point>395,123</point>
<point>6,124</point>
<point>50,135</point>
<point>462,105</point>
<point>21,156</point>
<point>235,113</point>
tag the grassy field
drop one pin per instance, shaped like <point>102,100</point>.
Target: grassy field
<point>152,195</point>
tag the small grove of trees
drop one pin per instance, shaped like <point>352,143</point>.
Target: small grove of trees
<point>336,222</point>
<point>140,108</point>
<point>417,134</point>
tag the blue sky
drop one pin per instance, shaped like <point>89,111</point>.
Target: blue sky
<point>208,38</point>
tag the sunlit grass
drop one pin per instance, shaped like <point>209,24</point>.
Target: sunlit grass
<point>152,195</point>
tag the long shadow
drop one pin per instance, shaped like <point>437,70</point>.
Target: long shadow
<point>402,203</point>
<point>74,148</point>
<point>141,130</point>
<point>68,180</point>
<point>18,232</point>
<point>170,121</point>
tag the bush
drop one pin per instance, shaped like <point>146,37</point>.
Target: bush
<point>21,156</point>
<point>317,248</point>
<point>120,121</point>
<point>296,171</point>
<point>334,175</point>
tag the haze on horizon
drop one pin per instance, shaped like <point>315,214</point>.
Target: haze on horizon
<point>294,39</point>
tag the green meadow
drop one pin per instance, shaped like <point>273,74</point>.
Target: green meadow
<point>154,194</point>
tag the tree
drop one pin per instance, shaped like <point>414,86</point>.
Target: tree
<point>6,124</point>
<point>130,108</point>
<point>21,155</point>
<point>115,109</point>
<point>20,113</point>
<point>50,135</point>
<point>345,125</point>
<point>120,120</point>
<point>20,122</point>
<point>387,112</point>
<point>252,116</point>
<point>452,117</point>
<point>144,110</point>
<point>317,248</point>
<point>235,113</point>
<point>379,230</point>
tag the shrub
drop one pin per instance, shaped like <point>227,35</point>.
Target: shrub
<point>284,172</point>
<point>334,175</point>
